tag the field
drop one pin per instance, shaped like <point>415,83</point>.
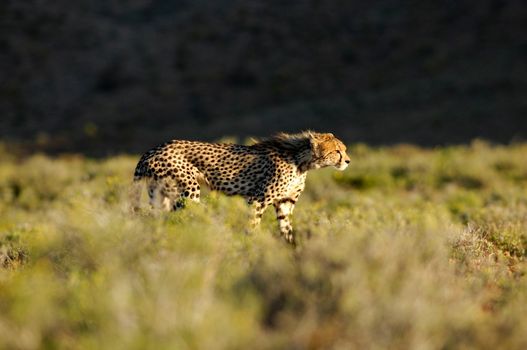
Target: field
<point>409,248</point>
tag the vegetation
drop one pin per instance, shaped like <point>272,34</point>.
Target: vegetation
<point>94,76</point>
<point>407,249</point>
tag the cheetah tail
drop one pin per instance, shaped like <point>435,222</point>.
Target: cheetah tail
<point>135,193</point>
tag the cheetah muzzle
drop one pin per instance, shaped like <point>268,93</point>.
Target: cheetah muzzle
<point>272,171</point>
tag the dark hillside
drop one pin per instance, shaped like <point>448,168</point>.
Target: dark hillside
<point>113,75</point>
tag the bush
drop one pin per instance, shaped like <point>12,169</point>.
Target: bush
<point>408,248</point>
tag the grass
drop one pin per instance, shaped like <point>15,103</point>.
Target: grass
<point>407,249</point>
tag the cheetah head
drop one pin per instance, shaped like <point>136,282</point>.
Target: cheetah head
<point>328,151</point>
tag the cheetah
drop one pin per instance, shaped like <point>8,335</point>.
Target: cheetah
<point>271,171</point>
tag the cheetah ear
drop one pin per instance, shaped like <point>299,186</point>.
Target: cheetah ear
<point>316,145</point>
<point>321,136</point>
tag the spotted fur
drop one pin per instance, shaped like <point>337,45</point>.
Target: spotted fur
<point>270,172</point>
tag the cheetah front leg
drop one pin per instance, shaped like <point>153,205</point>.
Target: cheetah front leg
<point>258,209</point>
<point>284,208</point>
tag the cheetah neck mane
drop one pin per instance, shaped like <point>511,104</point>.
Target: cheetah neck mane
<point>299,146</point>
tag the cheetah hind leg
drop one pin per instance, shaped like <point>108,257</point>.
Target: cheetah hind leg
<point>160,195</point>
<point>188,192</point>
<point>134,194</point>
<point>178,204</point>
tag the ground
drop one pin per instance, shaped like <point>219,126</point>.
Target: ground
<point>409,248</point>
